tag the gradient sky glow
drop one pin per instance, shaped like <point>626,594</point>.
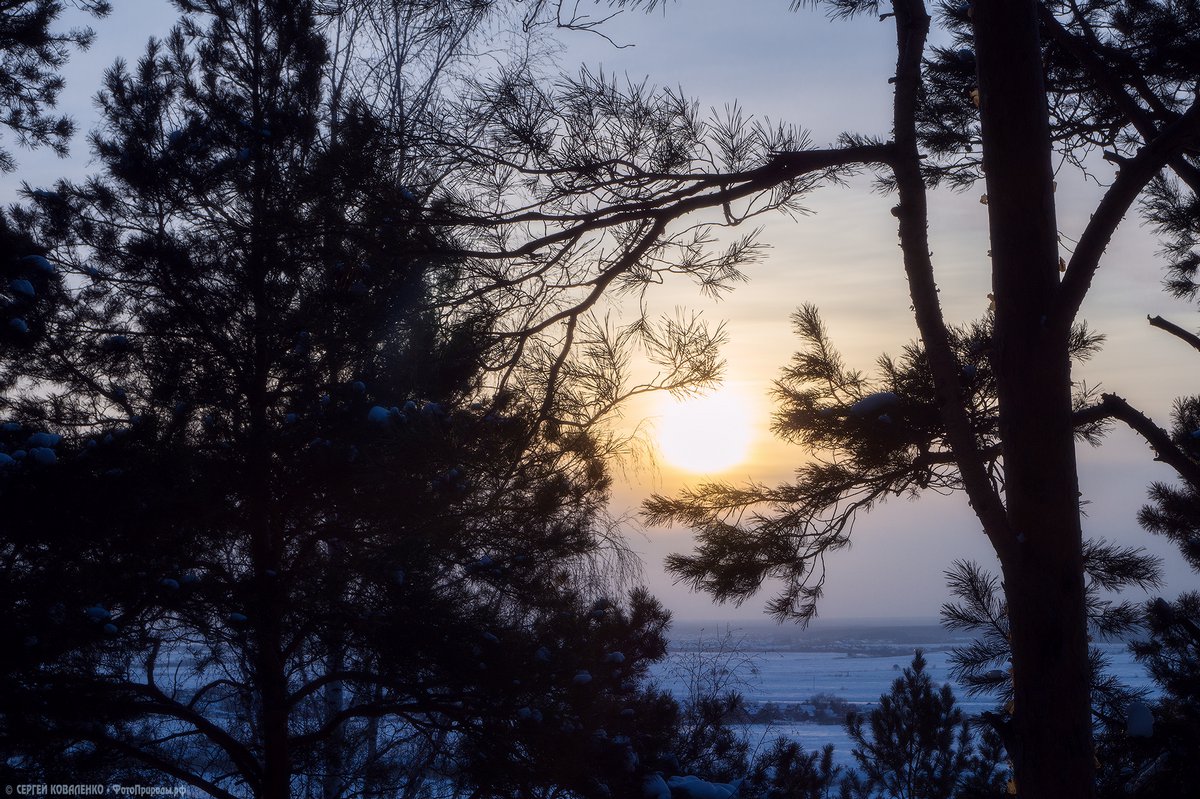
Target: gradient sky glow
<point>831,77</point>
<point>828,77</point>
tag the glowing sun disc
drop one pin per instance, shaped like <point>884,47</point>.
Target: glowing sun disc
<point>705,434</point>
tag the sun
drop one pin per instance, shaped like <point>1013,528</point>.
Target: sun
<point>705,434</point>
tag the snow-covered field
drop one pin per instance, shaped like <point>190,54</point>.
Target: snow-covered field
<point>853,664</point>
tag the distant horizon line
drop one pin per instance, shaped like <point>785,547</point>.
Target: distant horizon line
<point>892,621</point>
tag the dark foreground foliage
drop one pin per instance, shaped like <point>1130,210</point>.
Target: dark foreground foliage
<point>268,530</point>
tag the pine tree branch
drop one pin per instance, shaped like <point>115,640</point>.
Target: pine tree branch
<point>632,255</point>
<point>1112,406</point>
<point>373,710</point>
<point>1135,174</point>
<point>699,194</point>
<point>361,676</point>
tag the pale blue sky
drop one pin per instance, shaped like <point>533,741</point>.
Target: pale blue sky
<point>828,77</point>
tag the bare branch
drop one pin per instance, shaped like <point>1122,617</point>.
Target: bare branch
<point>1115,407</point>
<point>1087,51</point>
<point>912,26</point>
<point>1175,330</point>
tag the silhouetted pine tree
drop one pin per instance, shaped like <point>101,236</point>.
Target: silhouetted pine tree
<point>917,744</point>
<point>786,771</point>
<point>266,529</point>
<point>1143,743</point>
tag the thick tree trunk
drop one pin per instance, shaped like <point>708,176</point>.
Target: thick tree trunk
<point>266,535</point>
<point>270,668</point>
<point>1052,739</point>
<point>277,765</point>
<point>1052,743</point>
